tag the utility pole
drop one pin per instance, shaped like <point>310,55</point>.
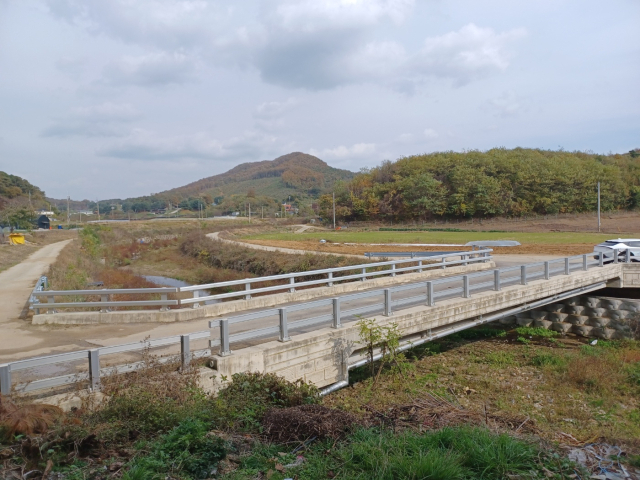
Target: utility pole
<point>98,202</point>
<point>249,213</point>
<point>334,210</point>
<point>262,212</point>
<point>598,207</point>
<point>68,214</point>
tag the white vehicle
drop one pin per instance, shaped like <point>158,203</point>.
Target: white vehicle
<point>622,245</point>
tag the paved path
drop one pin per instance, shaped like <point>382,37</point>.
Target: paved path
<point>216,236</point>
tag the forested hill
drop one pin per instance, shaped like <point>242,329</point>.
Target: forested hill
<point>495,182</point>
<point>14,191</point>
<point>294,173</point>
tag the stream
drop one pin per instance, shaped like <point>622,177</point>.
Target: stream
<point>174,282</point>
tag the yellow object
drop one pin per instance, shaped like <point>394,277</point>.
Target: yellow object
<point>16,239</point>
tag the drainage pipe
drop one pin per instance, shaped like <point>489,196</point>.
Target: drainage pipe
<point>449,331</point>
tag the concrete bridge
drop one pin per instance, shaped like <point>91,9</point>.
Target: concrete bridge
<point>318,341</point>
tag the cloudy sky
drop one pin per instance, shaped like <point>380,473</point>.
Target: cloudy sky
<point>118,98</point>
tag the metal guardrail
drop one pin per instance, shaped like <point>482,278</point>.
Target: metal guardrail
<point>41,285</point>
<point>364,272</point>
<point>93,357</point>
<point>383,299</point>
<point>408,254</point>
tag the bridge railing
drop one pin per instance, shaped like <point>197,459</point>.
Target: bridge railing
<point>201,293</point>
<point>335,311</point>
<point>92,359</point>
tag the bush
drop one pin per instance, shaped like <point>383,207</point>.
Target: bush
<point>245,401</point>
<point>151,400</point>
<point>187,450</point>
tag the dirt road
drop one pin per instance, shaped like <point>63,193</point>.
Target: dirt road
<point>268,248</point>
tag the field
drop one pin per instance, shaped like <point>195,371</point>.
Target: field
<point>11,255</point>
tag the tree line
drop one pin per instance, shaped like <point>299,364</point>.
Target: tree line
<point>497,182</point>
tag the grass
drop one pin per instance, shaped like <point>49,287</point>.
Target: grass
<point>346,236</point>
<point>536,332</point>
<point>372,454</point>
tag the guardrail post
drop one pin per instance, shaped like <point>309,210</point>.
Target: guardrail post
<point>5,379</point>
<point>51,299</point>
<point>196,294</point>
<point>585,267</point>
<point>104,298</point>
<point>292,281</point>
<point>94,368</point>
<point>393,269</point>
<point>364,274</point>
<point>284,328</point>
<point>444,261</point>
<point>336,313</point>
<point>164,298</point>
<point>387,302</point>
<point>465,259</point>
<point>496,280</point>
<point>546,270</point>
<point>601,260</point>
<point>185,352</point>
<point>224,338</point>
<point>419,266</point>
<point>247,287</point>
<point>627,256</point>
<point>523,274</point>
<point>431,301</point>
<point>615,256</point>
<point>486,257</point>
<point>329,279</point>
<point>465,286</point>
<point>566,266</point>
<point>46,283</point>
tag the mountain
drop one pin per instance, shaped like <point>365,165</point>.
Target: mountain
<point>296,174</point>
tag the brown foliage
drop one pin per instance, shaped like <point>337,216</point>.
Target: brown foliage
<point>307,421</point>
<point>27,419</point>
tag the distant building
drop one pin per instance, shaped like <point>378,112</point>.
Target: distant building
<point>44,222</point>
<point>86,212</point>
<point>48,213</point>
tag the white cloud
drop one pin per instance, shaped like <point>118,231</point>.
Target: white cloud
<point>151,70</point>
<point>104,120</point>
<point>431,134</point>
<point>344,152</point>
<point>469,53</point>
<point>268,116</point>
<point>152,146</point>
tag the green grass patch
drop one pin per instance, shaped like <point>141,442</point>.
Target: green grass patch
<point>447,454</point>
<point>500,359</point>
<point>547,359</point>
<point>346,236</point>
<point>536,332</point>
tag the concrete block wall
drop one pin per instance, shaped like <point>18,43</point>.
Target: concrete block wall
<point>585,315</point>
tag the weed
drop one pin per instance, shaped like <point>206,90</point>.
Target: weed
<point>523,340</point>
<point>449,453</point>
<point>386,339</point>
<point>536,332</point>
<point>244,402</point>
<point>544,359</point>
<point>186,450</point>
<point>500,359</point>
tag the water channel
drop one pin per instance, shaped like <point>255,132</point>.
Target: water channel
<point>174,282</point>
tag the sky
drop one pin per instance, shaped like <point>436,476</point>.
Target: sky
<point>123,98</point>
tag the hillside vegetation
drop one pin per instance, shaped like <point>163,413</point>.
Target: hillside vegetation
<point>268,182</point>
<point>16,208</point>
<point>506,182</point>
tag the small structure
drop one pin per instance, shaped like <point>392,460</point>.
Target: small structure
<point>44,222</point>
<point>16,239</point>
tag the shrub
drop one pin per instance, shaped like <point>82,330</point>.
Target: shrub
<point>187,450</point>
<point>246,399</point>
<point>536,332</point>
<point>154,399</point>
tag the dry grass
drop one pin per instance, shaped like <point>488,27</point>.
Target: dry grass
<point>560,385</point>
<point>26,419</point>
